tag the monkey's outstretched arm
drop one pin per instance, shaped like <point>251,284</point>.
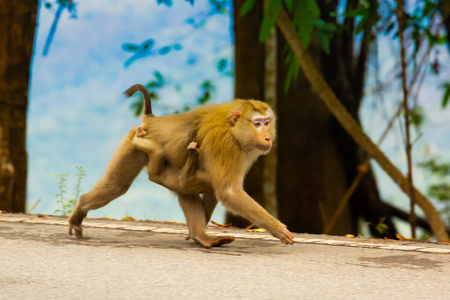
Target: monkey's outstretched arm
<point>237,201</point>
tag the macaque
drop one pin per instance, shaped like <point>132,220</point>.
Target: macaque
<point>229,138</point>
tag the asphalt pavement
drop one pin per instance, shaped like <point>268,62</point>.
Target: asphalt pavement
<point>150,260</point>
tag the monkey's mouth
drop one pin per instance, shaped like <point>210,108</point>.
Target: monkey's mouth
<point>264,147</point>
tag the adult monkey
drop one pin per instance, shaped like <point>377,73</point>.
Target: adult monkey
<point>231,137</point>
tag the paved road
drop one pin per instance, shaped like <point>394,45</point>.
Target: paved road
<point>141,260</point>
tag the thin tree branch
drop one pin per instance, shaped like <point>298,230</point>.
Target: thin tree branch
<point>421,222</point>
<point>401,25</point>
<point>352,127</point>
<point>52,32</point>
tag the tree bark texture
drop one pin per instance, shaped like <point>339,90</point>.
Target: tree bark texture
<point>17,30</point>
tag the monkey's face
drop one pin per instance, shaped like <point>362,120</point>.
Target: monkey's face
<point>255,131</point>
<point>261,126</point>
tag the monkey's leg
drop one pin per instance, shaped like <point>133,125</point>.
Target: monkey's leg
<point>124,166</point>
<point>237,201</point>
<point>209,204</point>
<point>196,220</point>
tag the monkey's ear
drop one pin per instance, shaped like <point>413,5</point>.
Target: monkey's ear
<point>235,117</point>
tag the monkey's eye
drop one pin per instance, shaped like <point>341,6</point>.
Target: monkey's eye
<point>257,124</point>
<point>266,122</point>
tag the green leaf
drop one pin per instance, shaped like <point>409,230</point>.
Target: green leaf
<point>324,41</point>
<point>304,21</point>
<point>288,4</point>
<point>428,8</point>
<point>313,7</point>
<point>137,107</point>
<point>417,116</point>
<point>159,78</point>
<point>446,96</point>
<point>247,6</point>
<point>148,44</point>
<point>222,64</point>
<point>130,47</point>
<point>270,18</point>
<point>441,39</point>
<point>293,70</point>
<point>361,9</point>
<point>165,50</point>
<point>440,191</point>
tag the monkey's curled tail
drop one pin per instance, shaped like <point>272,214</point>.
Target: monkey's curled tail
<point>147,101</point>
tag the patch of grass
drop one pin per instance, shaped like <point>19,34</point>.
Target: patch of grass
<point>67,204</point>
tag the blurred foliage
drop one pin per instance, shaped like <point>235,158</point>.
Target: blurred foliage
<point>169,3</point>
<point>436,168</point>
<point>439,189</point>
<point>146,49</point>
<point>225,65</point>
<point>207,88</point>
<point>381,227</point>
<point>417,117</point>
<point>446,96</point>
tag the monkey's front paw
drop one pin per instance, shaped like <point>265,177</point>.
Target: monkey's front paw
<point>284,235</point>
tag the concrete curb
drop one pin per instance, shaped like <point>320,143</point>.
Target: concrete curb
<point>445,249</point>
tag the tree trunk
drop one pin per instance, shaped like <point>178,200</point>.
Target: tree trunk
<point>311,170</point>
<point>17,29</point>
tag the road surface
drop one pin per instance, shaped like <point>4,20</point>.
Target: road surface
<point>148,260</point>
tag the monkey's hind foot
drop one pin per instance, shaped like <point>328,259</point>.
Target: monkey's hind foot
<point>78,230</point>
<point>214,241</point>
<point>75,220</point>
